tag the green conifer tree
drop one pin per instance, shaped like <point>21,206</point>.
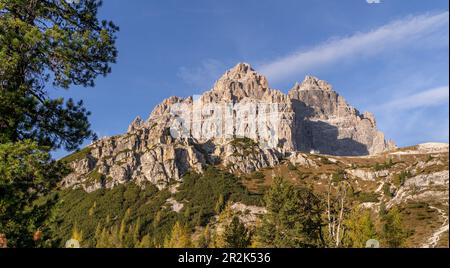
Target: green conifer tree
<point>392,233</point>
<point>43,42</point>
<point>359,228</point>
<point>179,237</point>
<point>236,235</point>
<point>293,217</point>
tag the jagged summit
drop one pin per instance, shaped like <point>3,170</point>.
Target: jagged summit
<point>241,68</point>
<point>301,132</point>
<point>137,123</point>
<point>311,117</point>
<point>315,117</point>
<point>241,81</point>
<point>241,72</point>
<point>312,83</point>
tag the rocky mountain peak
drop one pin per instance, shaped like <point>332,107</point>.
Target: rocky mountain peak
<point>239,82</point>
<point>241,72</point>
<point>162,109</point>
<point>136,124</point>
<point>313,83</point>
<point>241,122</point>
<point>241,68</point>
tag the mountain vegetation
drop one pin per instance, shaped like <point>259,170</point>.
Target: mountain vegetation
<point>128,216</point>
<point>326,177</point>
<point>43,43</point>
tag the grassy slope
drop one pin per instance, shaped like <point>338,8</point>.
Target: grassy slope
<point>200,193</point>
<point>419,219</point>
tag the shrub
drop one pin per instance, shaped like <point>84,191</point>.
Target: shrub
<point>258,175</point>
<point>203,191</point>
<point>78,155</point>
<point>111,206</point>
<point>291,166</point>
<point>399,179</point>
<point>387,190</point>
<point>386,165</point>
<point>302,175</point>
<point>340,175</point>
<point>364,197</point>
<point>246,144</point>
<point>325,161</point>
<point>243,142</point>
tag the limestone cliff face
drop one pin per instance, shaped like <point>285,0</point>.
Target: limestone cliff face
<point>239,98</point>
<point>325,122</point>
<point>241,124</point>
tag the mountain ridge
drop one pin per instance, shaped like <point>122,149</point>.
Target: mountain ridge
<point>318,141</point>
<point>240,123</point>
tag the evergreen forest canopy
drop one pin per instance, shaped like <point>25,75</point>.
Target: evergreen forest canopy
<point>43,43</point>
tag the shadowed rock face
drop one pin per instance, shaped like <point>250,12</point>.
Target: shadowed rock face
<point>325,122</point>
<point>312,116</point>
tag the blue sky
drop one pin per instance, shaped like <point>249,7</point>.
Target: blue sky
<point>390,58</point>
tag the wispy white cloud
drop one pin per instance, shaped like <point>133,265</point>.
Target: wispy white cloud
<point>427,98</point>
<point>416,118</point>
<point>399,33</point>
<point>413,126</point>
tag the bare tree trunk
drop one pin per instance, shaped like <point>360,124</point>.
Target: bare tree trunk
<point>341,216</point>
<point>328,209</point>
<point>336,217</point>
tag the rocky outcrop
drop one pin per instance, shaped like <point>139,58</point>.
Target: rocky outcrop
<point>244,106</point>
<point>367,174</point>
<point>325,122</point>
<point>238,158</point>
<point>301,159</point>
<point>431,187</point>
<point>241,124</point>
<point>248,215</point>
